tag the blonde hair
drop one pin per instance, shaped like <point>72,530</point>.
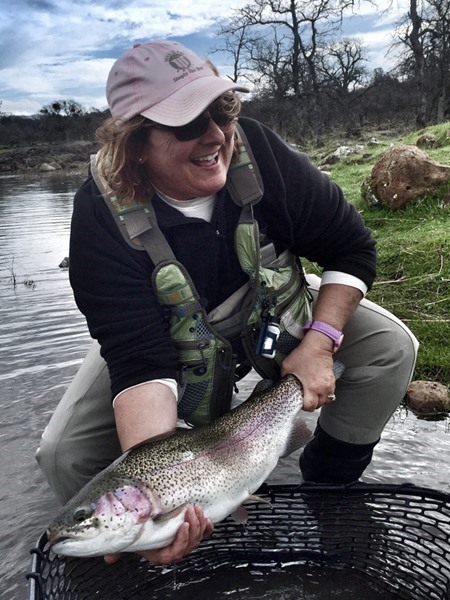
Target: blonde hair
<point>122,144</point>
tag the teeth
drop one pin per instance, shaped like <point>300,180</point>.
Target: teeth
<point>208,158</point>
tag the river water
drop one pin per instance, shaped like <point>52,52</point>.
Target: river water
<point>43,339</point>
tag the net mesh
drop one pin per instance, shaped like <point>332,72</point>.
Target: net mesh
<point>397,535</point>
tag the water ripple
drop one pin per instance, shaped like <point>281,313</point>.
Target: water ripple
<point>43,340</point>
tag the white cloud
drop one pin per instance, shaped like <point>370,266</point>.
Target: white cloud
<point>23,106</point>
<point>377,44</point>
<point>391,12</point>
<point>59,48</point>
<point>386,11</point>
<point>54,49</point>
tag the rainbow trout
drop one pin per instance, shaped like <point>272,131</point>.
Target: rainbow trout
<point>139,501</point>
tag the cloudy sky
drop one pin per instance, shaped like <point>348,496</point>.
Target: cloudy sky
<point>64,49</point>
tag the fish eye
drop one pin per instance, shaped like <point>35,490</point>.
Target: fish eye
<point>81,513</point>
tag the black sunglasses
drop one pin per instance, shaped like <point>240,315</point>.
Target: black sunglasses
<point>198,126</point>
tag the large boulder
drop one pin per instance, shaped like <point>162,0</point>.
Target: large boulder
<point>428,398</point>
<point>403,175</point>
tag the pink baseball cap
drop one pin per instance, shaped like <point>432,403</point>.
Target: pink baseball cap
<point>165,82</point>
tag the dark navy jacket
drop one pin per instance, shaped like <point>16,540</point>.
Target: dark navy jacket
<point>301,210</point>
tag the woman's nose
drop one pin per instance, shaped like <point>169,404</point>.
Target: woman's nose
<point>214,131</point>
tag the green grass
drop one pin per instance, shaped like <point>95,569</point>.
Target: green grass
<point>413,254</point>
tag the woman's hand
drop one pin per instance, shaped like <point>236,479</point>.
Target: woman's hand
<point>142,412</point>
<point>312,360</point>
<point>196,527</point>
<point>312,363</point>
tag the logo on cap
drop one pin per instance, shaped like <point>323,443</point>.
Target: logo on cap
<point>178,61</point>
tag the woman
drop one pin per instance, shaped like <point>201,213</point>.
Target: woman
<point>172,147</point>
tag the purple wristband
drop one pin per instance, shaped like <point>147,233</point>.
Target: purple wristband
<point>334,334</point>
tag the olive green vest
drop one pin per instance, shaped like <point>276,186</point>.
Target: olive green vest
<point>276,291</point>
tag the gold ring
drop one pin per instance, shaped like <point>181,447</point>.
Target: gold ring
<point>331,397</point>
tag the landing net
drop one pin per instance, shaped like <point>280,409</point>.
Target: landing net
<point>398,536</point>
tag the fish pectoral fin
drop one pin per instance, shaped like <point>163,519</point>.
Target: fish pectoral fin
<point>163,518</point>
<point>240,515</point>
<point>300,435</point>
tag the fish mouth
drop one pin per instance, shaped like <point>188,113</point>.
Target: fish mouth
<point>59,538</point>
<point>58,543</point>
<point>86,547</point>
<point>69,546</point>
<point>62,535</point>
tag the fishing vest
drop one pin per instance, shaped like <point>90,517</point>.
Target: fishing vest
<point>266,315</point>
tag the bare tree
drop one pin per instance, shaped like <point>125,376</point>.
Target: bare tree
<point>280,46</point>
<point>425,31</point>
<point>233,40</point>
<point>439,56</point>
<point>294,30</point>
<point>344,76</point>
<point>342,65</point>
<point>414,40</point>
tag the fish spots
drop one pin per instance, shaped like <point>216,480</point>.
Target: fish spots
<point>135,500</point>
<point>109,505</point>
<point>139,499</point>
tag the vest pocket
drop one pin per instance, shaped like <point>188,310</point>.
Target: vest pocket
<point>206,377</point>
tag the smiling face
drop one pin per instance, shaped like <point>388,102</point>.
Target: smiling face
<point>189,169</point>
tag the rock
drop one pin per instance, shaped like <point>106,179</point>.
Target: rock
<point>348,150</point>
<point>341,152</point>
<point>427,140</point>
<point>404,174</point>
<point>428,397</point>
<point>331,159</point>
<point>49,167</point>
<point>367,194</point>
<point>323,169</point>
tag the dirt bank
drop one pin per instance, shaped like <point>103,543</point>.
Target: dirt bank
<point>73,156</point>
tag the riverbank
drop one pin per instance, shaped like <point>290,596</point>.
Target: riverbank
<point>69,156</point>
<point>413,243</point>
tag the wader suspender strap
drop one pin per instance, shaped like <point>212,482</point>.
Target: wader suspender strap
<point>139,220</point>
<point>244,181</point>
<point>145,228</point>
